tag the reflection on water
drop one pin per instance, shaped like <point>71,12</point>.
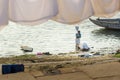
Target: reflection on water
<point>107,32</point>
<point>108,39</point>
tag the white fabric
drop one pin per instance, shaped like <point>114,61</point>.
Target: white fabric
<point>73,11</point>
<point>3,12</point>
<point>32,11</point>
<point>77,28</point>
<point>84,46</point>
<point>105,8</point>
<point>66,11</point>
<point>77,40</point>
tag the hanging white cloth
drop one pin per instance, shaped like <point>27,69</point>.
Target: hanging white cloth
<point>73,11</point>
<point>34,12</point>
<point>3,12</point>
<point>105,8</point>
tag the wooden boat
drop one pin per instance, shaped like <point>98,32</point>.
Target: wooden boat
<point>107,23</point>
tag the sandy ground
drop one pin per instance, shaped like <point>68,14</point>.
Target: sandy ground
<point>102,71</point>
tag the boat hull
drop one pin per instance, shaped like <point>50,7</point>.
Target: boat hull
<point>107,23</point>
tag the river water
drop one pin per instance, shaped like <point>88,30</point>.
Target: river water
<point>55,38</point>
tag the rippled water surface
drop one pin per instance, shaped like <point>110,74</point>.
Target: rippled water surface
<point>54,37</point>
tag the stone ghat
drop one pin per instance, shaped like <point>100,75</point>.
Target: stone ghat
<point>105,70</point>
<point>55,66</point>
<point>61,67</point>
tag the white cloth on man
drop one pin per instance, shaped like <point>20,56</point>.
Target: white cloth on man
<point>78,41</point>
<point>84,46</point>
<point>77,28</point>
<point>78,36</point>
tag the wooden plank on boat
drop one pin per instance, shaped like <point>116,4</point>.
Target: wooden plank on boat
<point>107,23</point>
